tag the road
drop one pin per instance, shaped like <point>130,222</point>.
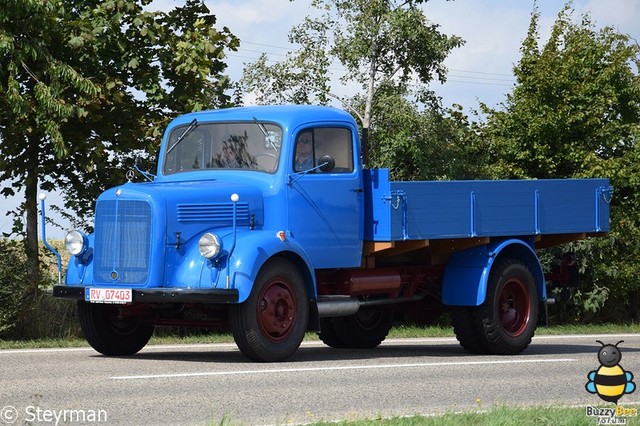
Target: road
<point>200,384</point>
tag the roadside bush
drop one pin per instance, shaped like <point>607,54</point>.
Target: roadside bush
<point>14,288</point>
<point>27,310</point>
<point>609,290</point>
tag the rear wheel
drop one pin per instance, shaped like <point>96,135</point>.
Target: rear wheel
<point>366,329</point>
<point>505,323</point>
<point>271,323</point>
<point>110,332</point>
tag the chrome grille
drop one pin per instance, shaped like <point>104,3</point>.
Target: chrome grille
<point>122,242</point>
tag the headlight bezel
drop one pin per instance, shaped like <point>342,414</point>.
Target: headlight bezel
<point>210,245</point>
<point>76,243</point>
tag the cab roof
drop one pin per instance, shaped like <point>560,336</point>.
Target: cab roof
<point>289,116</point>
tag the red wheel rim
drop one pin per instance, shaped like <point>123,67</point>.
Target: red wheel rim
<point>514,307</point>
<point>276,310</point>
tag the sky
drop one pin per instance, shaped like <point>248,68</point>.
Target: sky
<point>479,71</point>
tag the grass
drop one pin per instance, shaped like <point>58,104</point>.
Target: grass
<point>497,416</point>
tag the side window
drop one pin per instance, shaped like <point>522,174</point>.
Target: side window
<point>311,145</point>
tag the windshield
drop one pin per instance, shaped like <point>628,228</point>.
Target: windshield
<point>236,146</point>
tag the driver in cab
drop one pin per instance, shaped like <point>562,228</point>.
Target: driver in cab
<point>304,152</point>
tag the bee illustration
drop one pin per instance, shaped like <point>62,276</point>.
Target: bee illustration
<point>610,381</point>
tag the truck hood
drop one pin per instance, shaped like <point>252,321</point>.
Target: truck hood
<point>192,208</point>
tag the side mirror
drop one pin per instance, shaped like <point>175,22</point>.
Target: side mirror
<point>326,163</point>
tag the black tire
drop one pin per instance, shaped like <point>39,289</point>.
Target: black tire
<point>270,325</point>
<point>505,323</point>
<point>364,330</point>
<point>328,334</point>
<point>466,330</point>
<point>109,333</point>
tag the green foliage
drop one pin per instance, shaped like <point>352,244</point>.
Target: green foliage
<point>575,109</point>
<point>423,143</point>
<point>303,77</point>
<point>379,43</point>
<point>574,113</point>
<point>392,51</point>
<point>27,311</point>
<point>12,285</point>
<point>85,86</point>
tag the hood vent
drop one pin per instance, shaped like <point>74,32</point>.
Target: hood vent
<point>215,214</point>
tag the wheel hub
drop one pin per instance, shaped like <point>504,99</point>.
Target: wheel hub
<point>515,311</point>
<point>276,311</point>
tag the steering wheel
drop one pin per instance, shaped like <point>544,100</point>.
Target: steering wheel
<point>273,156</point>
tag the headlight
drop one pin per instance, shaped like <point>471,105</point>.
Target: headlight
<point>75,242</point>
<point>209,245</point>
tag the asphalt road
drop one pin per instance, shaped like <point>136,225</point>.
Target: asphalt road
<point>201,384</point>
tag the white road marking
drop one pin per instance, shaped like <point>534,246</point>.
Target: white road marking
<point>343,367</point>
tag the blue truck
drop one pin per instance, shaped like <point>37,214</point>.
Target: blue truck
<point>263,220</point>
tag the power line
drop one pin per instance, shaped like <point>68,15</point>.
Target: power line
<point>291,47</point>
<point>265,45</point>
<point>451,78</point>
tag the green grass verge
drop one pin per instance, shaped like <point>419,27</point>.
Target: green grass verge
<point>399,332</point>
<point>497,416</point>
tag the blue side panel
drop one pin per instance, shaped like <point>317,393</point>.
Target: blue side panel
<point>462,209</point>
<point>377,210</point>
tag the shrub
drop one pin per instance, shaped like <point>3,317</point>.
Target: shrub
<point>27,310</point>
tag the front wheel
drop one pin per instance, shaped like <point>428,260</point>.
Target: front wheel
<point>270,324</point>
<point>505,323</point>
<point>110,332</point>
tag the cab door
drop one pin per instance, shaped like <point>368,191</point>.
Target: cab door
<point>326,205</point>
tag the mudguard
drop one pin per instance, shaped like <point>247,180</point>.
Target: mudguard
<point>253,249</point>
<point>467,273</point>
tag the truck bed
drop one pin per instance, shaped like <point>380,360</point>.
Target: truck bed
<point>435,210</point>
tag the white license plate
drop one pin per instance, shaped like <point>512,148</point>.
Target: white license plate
<point>108,295</point>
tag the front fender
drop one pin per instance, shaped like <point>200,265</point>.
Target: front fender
<point>253,249</point>
<point>467,273</point>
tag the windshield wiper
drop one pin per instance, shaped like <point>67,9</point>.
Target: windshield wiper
<point>267,136</point>
<point>188,130</point>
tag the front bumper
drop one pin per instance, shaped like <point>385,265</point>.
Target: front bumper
<point>160,295</point>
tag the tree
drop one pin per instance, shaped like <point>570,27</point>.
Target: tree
<point>575,104</point>
<point>83,83</point>
<point>423,143</point>
<point>379,43</point>
<point>575,112</point>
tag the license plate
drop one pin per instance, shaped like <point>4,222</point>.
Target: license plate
<point>108,295</point>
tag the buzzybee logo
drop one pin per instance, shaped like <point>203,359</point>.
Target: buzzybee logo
<point>610,381</point>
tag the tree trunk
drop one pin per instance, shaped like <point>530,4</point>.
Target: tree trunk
<point>31,208</point>
<point>368,105</point>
